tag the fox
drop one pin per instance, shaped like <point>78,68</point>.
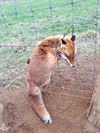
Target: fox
<point>39,66</point>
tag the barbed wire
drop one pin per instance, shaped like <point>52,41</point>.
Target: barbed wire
<point>33,10</point>
<point>51,20</point>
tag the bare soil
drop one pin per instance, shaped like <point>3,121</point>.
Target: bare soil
<point>67,99</point>
<point>68,114</point>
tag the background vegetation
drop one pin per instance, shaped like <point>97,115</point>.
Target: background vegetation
<point>24,22</point>
<point>30,20</point>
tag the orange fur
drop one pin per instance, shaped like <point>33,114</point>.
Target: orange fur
<point>39,69</point>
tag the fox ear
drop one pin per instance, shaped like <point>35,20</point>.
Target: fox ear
<point>73,38</point>
<point>63,42</point>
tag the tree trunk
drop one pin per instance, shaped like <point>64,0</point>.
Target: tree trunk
<point>93,112</point>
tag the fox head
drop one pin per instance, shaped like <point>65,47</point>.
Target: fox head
<point>67,50</point>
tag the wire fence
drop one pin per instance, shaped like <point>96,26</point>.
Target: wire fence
<point>24,22</point>
<point>30,20</point>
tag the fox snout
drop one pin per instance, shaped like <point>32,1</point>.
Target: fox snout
<point>71,62</point>
<point>72,65</point>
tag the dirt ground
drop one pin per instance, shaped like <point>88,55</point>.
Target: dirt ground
<point>68,114</point>
<point>67,99</point>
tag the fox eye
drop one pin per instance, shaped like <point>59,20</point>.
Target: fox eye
<point>68,57</point>
<point>63,42</point>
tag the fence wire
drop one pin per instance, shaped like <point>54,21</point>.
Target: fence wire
<point>24,22</point>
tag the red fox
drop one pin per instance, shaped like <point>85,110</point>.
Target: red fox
<point>44,56</point>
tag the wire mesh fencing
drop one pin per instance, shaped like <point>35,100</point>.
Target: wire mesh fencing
<point>24,22</point>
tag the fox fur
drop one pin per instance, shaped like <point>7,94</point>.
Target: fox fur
<point>39,67</point>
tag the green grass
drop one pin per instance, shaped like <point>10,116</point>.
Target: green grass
<point>27,21</point>
<point>30,26</point>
